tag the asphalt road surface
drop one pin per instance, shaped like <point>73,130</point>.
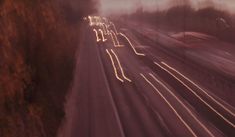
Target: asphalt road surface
<point>132,80</point>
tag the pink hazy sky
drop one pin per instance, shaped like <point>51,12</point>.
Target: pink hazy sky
<point>107,7</point>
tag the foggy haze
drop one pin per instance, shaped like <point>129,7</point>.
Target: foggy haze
<point>107,7</point>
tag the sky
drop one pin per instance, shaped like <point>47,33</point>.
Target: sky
<point>107,7</point>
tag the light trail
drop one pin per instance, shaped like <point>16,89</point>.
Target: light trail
<point>218,103</point>
<point>104,29</point>
<point>115,45</point>
<point>115,36</point>
<point>120,66</point>
<point>103,39</point>
<point>137,53</point>
<point>106,26</point>
<point>188,110</point>
<point>115,69</point>
<point>169,104</point>
<point>97,36</point>
<point>191,90</point>
<point>114,27</point>
<point>96,20</point>
<point>113,39</point>
<point>90,21</point>
<point>105,19</point>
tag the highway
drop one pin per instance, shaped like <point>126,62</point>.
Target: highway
<point>132,80</point>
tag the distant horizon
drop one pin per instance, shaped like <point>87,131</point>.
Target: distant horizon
<point>120,7</point>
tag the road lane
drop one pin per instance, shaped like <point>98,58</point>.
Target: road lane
<point>226,107</point>
<point>184,106</point>
<point>135,67</point>
<point>185,59</point>
<point>128,90</point>
<point>229,129</point>
<point>135,115</point>
<point>90,108</point>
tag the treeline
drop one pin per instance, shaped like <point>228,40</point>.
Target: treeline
<point>184,18</point>
<point>38,41</point>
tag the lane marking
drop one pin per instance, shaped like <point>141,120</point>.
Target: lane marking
<point>103,39</point>
<point>188,110</point>
<point>114,67</point>
<point>97,36</point>
<point>169,104</point>
<point>137,53</point>
<point>218,103</point>
<point>123,74</point>
<point>225,119</point>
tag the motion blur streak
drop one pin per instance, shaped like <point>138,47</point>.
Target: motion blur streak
<point>225,108</point>
<point>225,119</point>
<point>114,44</point>
<point>115,69</point>
<point>115,29</point>
<point>115,36</point>
<point>103,39</point>
<point>168,103</point>
<point>189,111</point>
<point>106,26</point>
<point>97,36</point>
<point>123,74</point>
<point>90,21</point>
<point>104,29</point>
<point>115,41</point>
<point>139,54</point>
